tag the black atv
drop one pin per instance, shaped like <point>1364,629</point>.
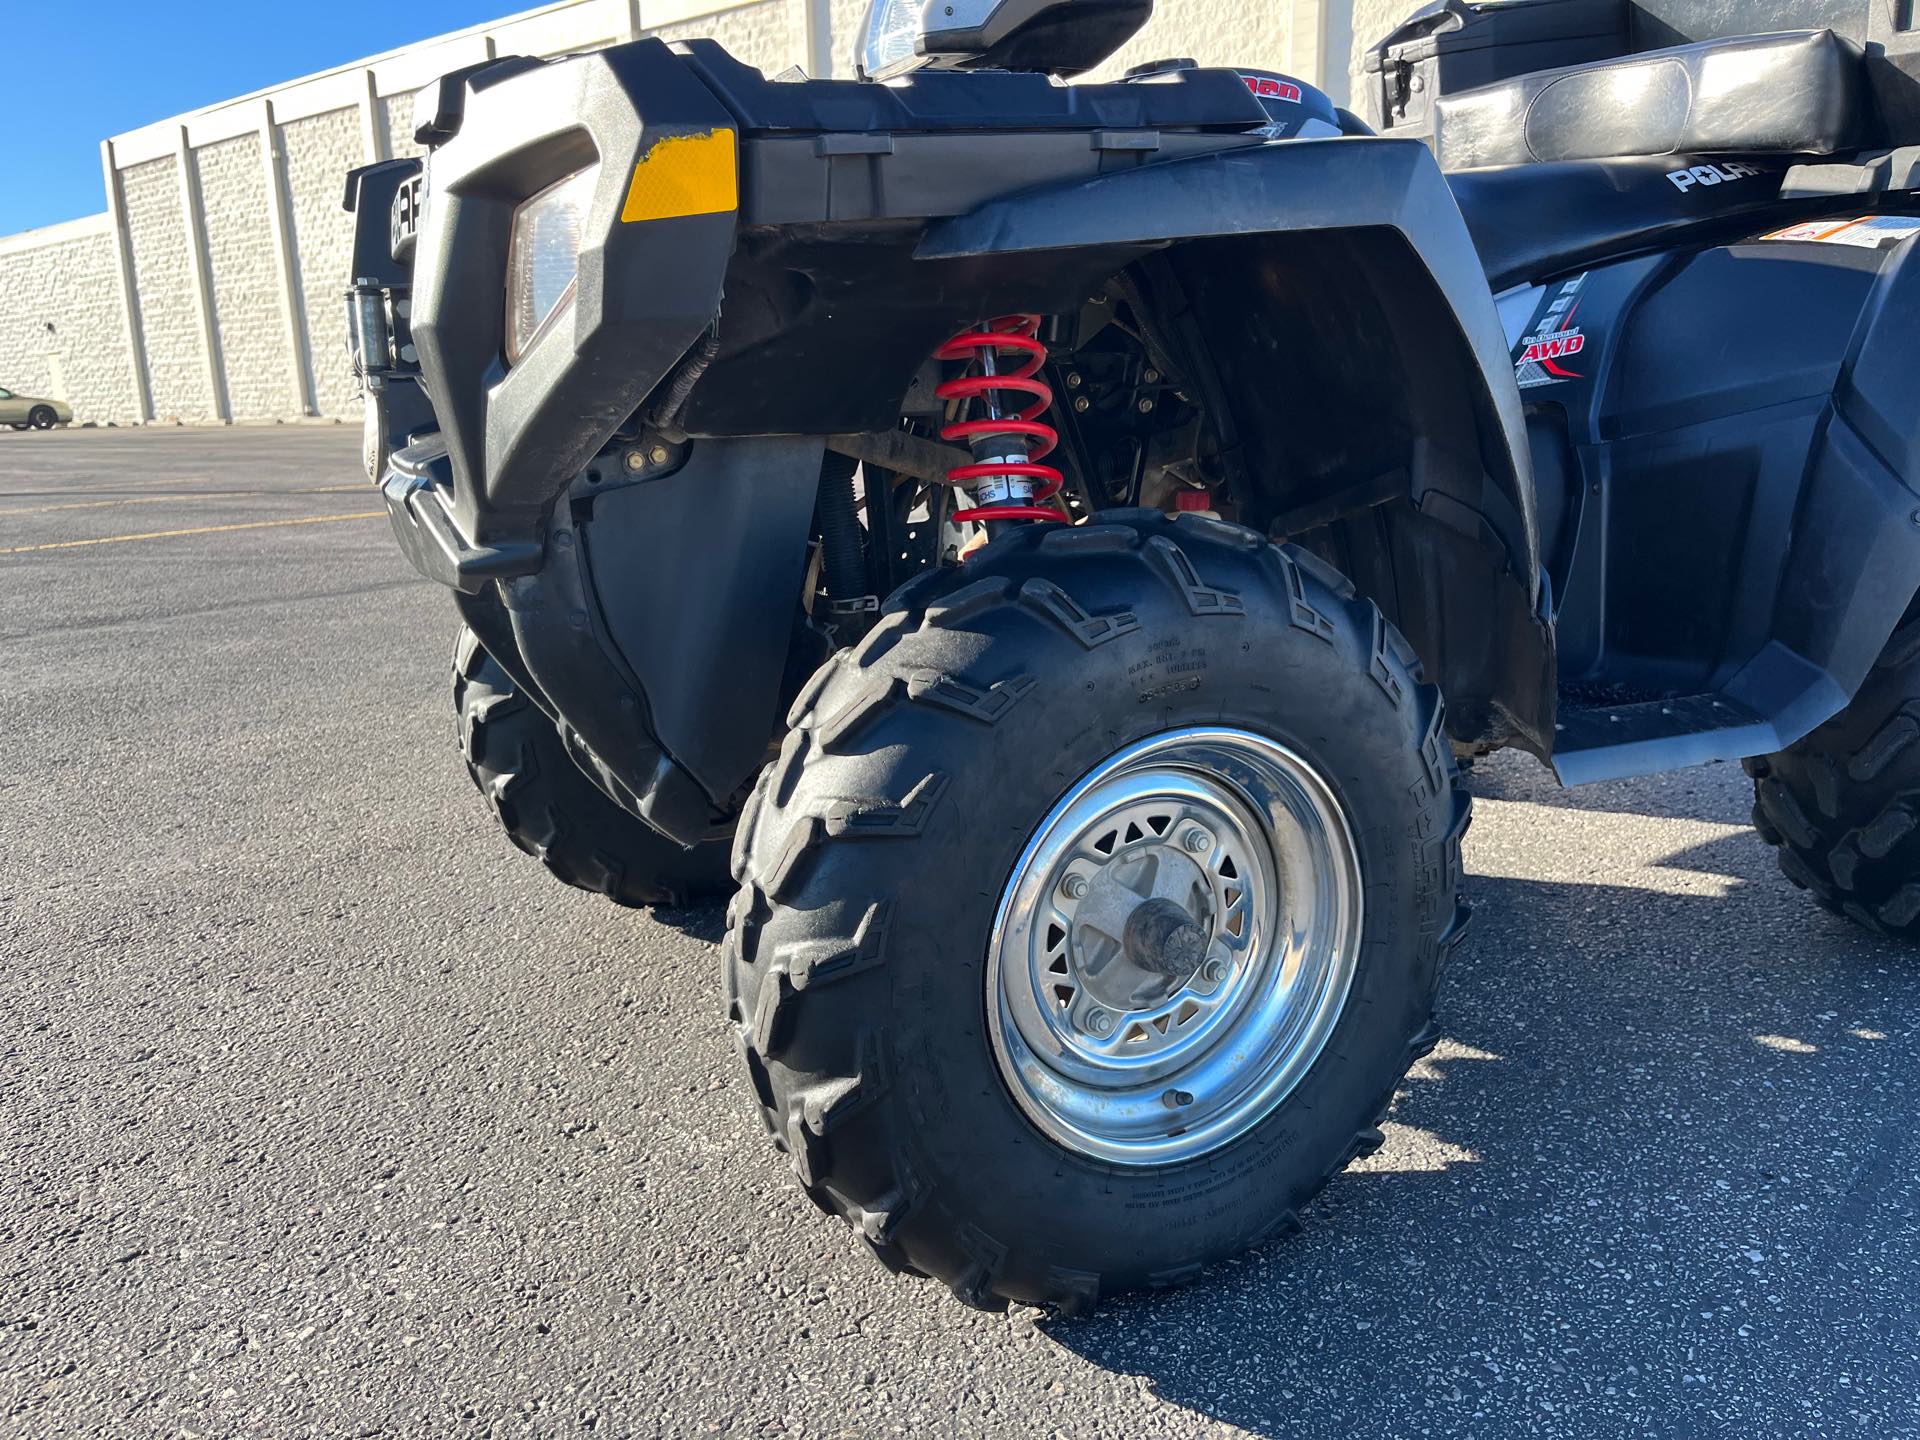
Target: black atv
<point>1041,524</point>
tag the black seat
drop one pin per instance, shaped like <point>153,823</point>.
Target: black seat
<point>1798,93</point>
<point>1530,221</point>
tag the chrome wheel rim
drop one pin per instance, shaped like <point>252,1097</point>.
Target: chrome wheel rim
<point>1174,947</point>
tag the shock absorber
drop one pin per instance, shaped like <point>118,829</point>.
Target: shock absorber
<point>999,414</point>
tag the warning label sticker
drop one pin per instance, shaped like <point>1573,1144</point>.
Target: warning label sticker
<point>1870,232</point>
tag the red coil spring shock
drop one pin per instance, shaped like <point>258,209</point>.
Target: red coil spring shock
<point>1026,438</point>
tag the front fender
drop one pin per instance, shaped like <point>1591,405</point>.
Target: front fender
<point>1291,187</point>
<point>1333,295</point>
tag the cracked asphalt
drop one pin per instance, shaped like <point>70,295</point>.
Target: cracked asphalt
<point>327,1113</point>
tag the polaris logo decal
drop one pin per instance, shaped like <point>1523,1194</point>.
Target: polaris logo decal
<point>1701,175</point>
<point>1268,88</point>
<point>1552,340</point>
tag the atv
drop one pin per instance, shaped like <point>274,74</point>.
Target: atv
<point>1065,535</point>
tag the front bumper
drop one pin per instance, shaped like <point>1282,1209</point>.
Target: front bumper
<point>417,485</point>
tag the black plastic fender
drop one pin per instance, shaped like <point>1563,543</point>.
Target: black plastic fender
<point>659,626</point>
<point>1285,188</point>
<point>1853,565</point>
<point>1378,215</point>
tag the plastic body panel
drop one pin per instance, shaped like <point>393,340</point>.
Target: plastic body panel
<point>1727,551</point>
<point>1532,221</point>
<point>659,627</point>
<point>1298,187</point>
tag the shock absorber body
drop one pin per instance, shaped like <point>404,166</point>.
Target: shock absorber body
<point>999,404</point>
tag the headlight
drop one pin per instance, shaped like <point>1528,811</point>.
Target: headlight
<point>543,259</point>
<point>887,48</point>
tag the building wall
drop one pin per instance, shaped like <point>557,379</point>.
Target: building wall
<point>766,34</point>
<point>162,261</point>
<point>1212,32</point>
<point>63,276</point>
<point>396,123</point>
<point>320,149</point>
<point>250,331</point>
<point>211,294</point>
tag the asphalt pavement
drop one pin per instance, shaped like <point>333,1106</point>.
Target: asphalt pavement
<point>328,1113</point>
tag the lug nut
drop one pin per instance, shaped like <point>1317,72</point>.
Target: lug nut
<point>1197,841</point>
<point>1074,887</point>
<point>1099,1022</point>
<point>1177,1099</point>
<point>1214,971</point>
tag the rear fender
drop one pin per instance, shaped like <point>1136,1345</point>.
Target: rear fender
<point>1853,564</point>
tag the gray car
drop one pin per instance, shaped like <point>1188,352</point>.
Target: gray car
<point>32,412</point>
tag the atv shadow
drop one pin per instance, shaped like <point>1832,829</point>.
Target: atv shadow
<point>1657,1179</point>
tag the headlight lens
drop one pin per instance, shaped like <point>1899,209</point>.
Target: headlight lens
<point>893,26</point>
<point>543,259</point>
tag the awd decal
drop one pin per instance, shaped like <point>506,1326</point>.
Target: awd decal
<point>1700,175</point>
<point>1553,339</point>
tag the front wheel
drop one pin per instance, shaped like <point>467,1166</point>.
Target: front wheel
<point>1094,908</point>
<point>552,811</point>
<point>41,417</point>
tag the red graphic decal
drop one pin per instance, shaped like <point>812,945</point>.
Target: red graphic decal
<point>1556,347</point>
<point>1267,88</point>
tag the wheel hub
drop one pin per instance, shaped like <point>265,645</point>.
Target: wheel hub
<point>1139,930</point>
<point>1174,946</point>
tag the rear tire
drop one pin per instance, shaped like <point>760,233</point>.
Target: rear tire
<point>554,812</point>
<point>1842,806</point>
<point>882,850</point>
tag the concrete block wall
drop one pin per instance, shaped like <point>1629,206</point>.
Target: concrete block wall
<point>765,34</point>
<point>1214,32</point>
<point>211,289</point>
<point>320,149</point>
<point>250,334</point>
<point>62,330</point>
<point>161,257</point>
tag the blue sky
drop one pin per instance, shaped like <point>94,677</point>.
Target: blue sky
<point>71,75</point>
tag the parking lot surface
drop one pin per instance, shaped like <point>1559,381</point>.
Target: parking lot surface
<point>327,1113</point>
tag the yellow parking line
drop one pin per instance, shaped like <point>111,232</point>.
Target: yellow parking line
<point>199,530</point>
<point>161,499</point>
